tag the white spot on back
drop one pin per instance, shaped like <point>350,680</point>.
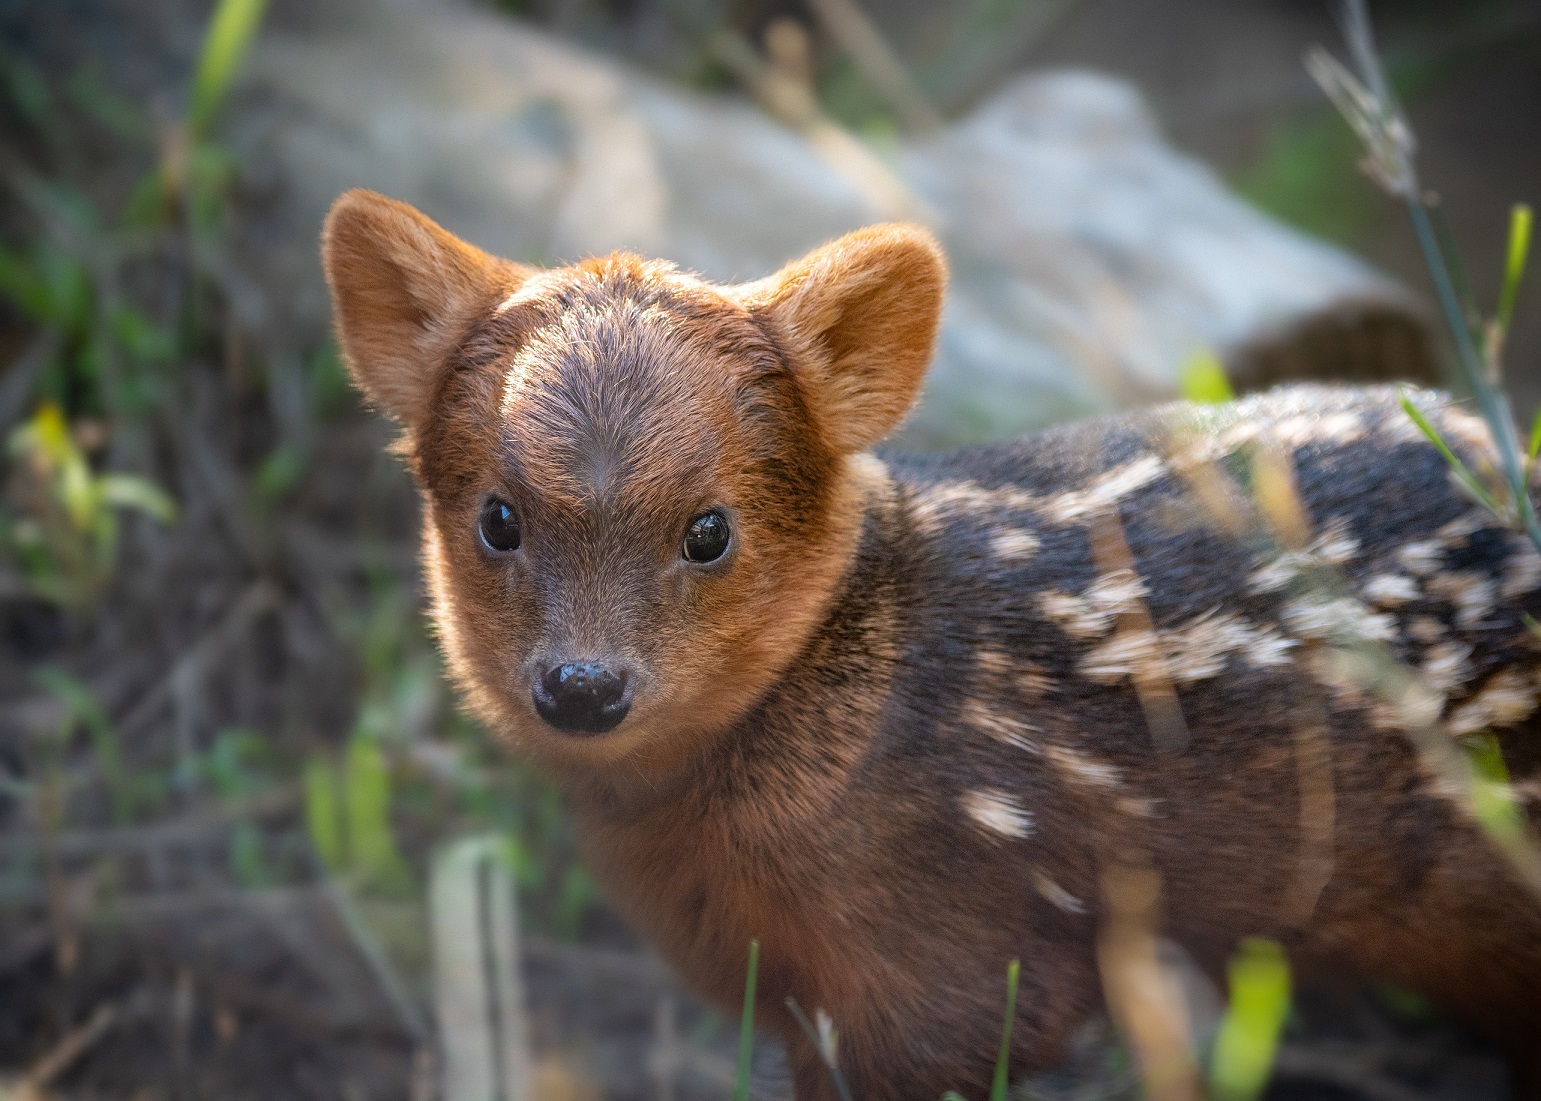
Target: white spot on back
<point>1333,547</point>
<point>1461,527</point>
<point>1006,729</point>
<point>998,812</point>
<point>948,499</point>
<point>992,662</point>
<point>1422,558</point>
<point>1014,543</point>
<point>1522,571</point>
<point>1473,594</point>
<point>1342,618</point>
<point>1390,590</point>
<point>1092,614</point>
<point>1198,650</point>
<point>1106,491</point>
<point>1057,895</point>
<point>1084,769</point>
<point>1446,665</point>
<point>1508,697</point>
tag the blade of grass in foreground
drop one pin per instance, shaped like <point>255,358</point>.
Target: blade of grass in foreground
<point>825,1046</point>
<point>1001,1082</point>
<point>1467,478</point>
<point>1204,381</point>
<point>1514,268</point>
<point>1249,1035</point>
<point>746,1027</point>
<point>1002,1064</point>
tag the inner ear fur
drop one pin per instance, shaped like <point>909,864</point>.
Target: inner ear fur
<point>404,293</point>
<point>859,317</point>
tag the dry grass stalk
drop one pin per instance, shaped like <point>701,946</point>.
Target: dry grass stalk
<point>1143,996</point>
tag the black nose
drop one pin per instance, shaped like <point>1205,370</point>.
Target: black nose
<point>582,697</point>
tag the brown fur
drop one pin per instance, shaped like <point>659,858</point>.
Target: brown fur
<point>899,731</point>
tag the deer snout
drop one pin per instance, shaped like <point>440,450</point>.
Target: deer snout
<point>583,697</point>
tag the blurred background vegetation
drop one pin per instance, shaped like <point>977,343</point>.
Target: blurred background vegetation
<point>226,751</point>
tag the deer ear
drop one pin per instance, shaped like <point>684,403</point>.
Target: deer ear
<point>404,293</point>
<point>859,318</point>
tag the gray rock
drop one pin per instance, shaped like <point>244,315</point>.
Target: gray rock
<point>1090,260</point>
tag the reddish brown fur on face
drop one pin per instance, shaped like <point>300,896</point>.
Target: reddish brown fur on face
<point>899,729</point>
<point>610,403</point>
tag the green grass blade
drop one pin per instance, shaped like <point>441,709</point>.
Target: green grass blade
<point>1203,379</point>
<point>1520,219</point>
<point>1248,1039</point>
<point>1468,479</point>
<point>1452,257</point>
<point>230,34</point>
<point>1001,1084</point>
<point>133,492</point>
<point>826,1054</point>
<point>1535,436</point>
<point>367,810</point>
<point>323,813</point>
<point>1492,799</point>
<point>746,1027</point>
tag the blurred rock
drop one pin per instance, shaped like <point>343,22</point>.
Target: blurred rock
<point>1090,260</point>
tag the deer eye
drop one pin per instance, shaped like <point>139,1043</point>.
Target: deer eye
<point>706,538</point>
<point>499,526</point>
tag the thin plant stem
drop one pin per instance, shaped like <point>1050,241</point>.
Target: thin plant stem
<point>746,1027</point>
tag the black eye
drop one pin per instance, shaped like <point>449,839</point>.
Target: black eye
<point>500,526</point>
<point>706,537</point>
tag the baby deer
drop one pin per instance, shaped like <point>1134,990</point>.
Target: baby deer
<point>900,718</point>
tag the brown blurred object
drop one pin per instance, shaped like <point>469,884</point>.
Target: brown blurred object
<point>1144,996</point>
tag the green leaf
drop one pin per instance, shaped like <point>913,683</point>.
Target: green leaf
<point>1466,477</point>
<point>46,438</point>
<point>229,37</point>
<point>1000,1085</point>
<point>746,1027</point>
<point>279,472</point>
<point>1514,267</point>
<point>367,805</point>
<point>1248,1039</point>
<point>1535,436</point>
<point>1203,379</point>
<point>140,494</point>
<point>1492,799</point>
<point>323,814</point>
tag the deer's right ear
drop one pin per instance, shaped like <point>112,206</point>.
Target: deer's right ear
<point>404,292</point>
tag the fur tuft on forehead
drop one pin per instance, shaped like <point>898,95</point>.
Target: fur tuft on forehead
<point>634,382</point>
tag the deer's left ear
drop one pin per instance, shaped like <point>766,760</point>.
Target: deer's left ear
<point>859,318</point>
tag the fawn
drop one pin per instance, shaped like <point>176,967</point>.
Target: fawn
<point>898,717</point>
